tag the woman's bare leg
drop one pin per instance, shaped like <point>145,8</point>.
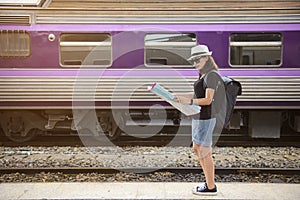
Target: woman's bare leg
<point>204,155</point>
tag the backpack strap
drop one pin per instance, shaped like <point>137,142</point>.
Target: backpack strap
<point>205,78</point>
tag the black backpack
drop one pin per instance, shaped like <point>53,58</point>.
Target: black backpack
<point>233,88</point>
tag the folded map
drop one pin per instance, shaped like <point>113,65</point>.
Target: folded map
<point>164,94</point>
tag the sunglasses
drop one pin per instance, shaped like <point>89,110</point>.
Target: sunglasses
<point>195,60</point>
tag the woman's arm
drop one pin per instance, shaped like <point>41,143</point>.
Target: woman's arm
<point>186,99</point>
<point>207,100</point>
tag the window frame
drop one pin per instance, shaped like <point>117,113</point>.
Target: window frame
<point>255,44</point>
<point>154,44</point>
<point>86,44</point>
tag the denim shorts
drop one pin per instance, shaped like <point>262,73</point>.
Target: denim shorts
<point>202,131</point>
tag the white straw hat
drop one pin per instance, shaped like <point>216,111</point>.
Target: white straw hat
<point>200,50</point>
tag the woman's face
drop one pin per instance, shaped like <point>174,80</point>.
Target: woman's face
<point>199,62</point>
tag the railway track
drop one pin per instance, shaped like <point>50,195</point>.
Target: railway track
<point>176,170</point>
<point>39,164</point>
<point>223,141</point>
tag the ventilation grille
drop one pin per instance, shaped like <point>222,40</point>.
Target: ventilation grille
<point>10,19</point>
<point>14,43</point>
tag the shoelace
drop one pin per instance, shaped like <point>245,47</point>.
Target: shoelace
<point>200,188</point>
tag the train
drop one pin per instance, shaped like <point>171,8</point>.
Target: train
<point>71,66</point>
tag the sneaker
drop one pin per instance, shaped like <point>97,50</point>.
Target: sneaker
<point>203,190</point>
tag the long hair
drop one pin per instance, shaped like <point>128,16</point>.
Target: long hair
<point>209,65</point>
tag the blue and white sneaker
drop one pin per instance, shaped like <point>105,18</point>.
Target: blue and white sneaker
<point>203,190</point>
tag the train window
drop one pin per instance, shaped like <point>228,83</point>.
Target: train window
<point>22,3</point>
<point>85,49</point>
<point>168,49</point>
<point>14,44</point>
<point>256,49</point>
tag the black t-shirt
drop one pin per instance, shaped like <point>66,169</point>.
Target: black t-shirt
<point>215,82</point>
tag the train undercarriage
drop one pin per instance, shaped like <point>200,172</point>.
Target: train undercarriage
<point>21,126</point>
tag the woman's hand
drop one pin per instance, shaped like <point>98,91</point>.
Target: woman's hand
<point>182,99</point>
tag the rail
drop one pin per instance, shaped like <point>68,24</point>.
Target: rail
<point>177,170</point>
<point>229,139</point>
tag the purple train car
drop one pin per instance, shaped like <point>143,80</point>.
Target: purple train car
<point>68,66</point>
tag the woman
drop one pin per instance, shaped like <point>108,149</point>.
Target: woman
<point>205,95</point>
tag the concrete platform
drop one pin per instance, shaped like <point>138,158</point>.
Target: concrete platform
<point>145,190</point>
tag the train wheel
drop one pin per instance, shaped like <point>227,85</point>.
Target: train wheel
<point>21,126</point>
<point>117,123</point>
<point>114,135</point>
<point>21,136</point>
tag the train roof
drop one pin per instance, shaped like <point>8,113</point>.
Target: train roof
<point>149,11</point>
